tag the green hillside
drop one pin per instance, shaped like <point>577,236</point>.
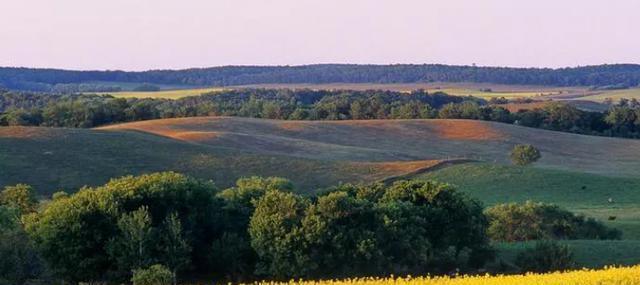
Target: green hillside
<point>314,154</point>
<point>579,192</point>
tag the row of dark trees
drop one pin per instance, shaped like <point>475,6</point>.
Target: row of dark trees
<point>260,229</point>
<point>34,109</point>
<point>619,75</point>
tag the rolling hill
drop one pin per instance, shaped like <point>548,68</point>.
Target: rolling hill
<point>314,154</point>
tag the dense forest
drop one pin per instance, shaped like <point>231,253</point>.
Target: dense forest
<point>85,111</point>
<point>600,76</point>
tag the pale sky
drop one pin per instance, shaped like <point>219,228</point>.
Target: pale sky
<point>160,34</point>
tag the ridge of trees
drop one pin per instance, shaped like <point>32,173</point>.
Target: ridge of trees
<point>85,111</point>
<point>596,76</point>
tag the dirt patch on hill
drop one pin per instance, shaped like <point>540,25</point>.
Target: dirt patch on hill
<point>171,128</point>
<point>398,167</point>
<point>28,133</point>
<point>195,136</point>
<point>293,126</point>
<point>466,130</point>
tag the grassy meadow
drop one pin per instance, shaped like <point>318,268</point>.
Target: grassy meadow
<point>615,95</point>
<point>580,192</point>
<point>164,94</point>
<point>225,148</point>
<point>587,253</point>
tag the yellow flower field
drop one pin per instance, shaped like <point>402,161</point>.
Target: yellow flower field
<point>608,276</point>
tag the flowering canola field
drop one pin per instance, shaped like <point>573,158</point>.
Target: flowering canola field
<point>607,276</point>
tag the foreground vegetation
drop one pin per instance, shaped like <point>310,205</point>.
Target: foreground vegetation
<point>610,276</point>
<point>261,229</point>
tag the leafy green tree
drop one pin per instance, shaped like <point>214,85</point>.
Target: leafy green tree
<point>524,154</point>
<point>132,247</point>
<point>452,220</point>
<point>545,256</point>
<point>175,250</point>
<point>233,249</point>
<point>154,275</point>
<point>450,111</point>
<point>412,110</point>
<point>19,260</point>
<point>20,197</point>
<point>536,221</point>
<point>80,227</point>
<point>21,117</point>
<point>341,236</point>
<point>277,237</point>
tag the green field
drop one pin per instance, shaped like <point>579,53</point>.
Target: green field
<point>164,94</point>
<point>494,184</point>
<point>496,94</point>
<point>615,95</point>
<point>587,253</point>
<point>313,154</point>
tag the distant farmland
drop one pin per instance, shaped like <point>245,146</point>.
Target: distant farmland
<point>615,95</point>
<point>164,94</point>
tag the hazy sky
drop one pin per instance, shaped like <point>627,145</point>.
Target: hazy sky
<point>151,34</point>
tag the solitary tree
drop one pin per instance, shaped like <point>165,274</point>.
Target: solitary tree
<point>524,154</point>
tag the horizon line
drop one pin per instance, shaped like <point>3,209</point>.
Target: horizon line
<point>315,64</point>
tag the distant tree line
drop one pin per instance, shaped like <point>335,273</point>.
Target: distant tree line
<point>607,76</point>
<point>85,111</point>
<point>260,228</point>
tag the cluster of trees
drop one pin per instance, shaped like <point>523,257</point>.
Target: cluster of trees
<point>600,75</point>
<point>539,221</point>
<point>77,110</point>
<point>94,110</point>
<point>164,225</point>
<point>258,228</point>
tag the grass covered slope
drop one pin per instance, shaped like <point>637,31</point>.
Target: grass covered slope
<point>587,253</point>
<point>53,159</point>
<point>579,192</point>
<point>313,154</point>
<point>400,140</point>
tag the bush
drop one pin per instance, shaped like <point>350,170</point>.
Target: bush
<point>154,275</point>
<point>20,197</point>
<point>524,154</point>
<point>535,221</point>
<point>545,256</point>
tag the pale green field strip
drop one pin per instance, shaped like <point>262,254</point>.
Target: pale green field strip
<point>165,94</point>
